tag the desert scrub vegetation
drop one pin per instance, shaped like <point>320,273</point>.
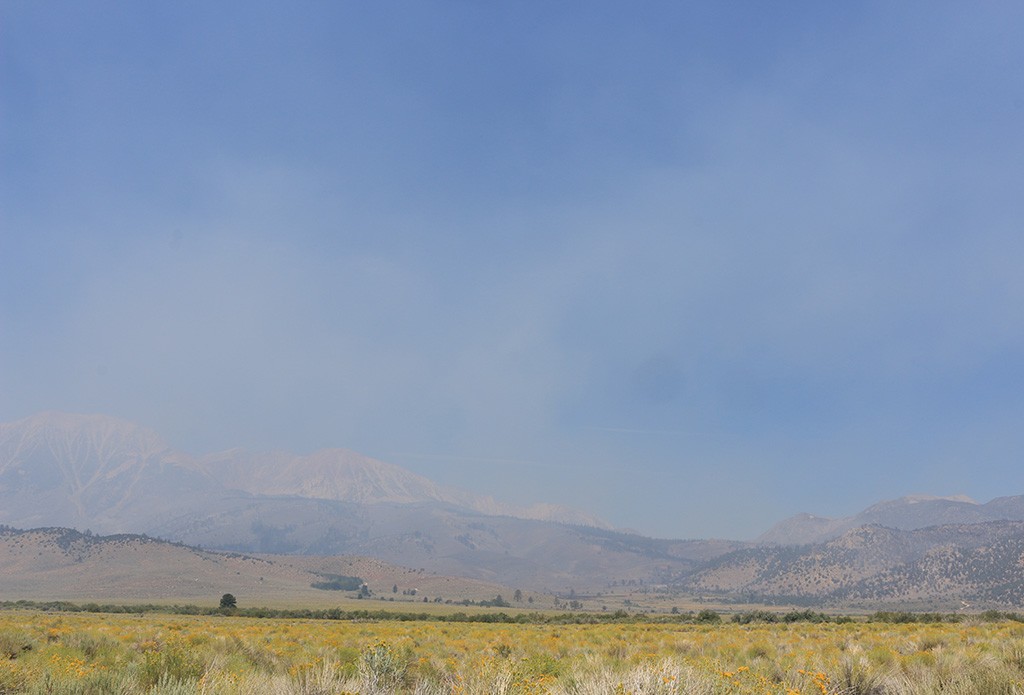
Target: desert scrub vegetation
<point>155,654</point>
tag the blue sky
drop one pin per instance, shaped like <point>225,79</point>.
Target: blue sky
<point>694,267</point>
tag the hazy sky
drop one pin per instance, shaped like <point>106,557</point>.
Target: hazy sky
<point>692,266</point>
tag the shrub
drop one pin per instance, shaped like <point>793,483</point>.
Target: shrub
<point>708,616</point>
<point>381,669</point>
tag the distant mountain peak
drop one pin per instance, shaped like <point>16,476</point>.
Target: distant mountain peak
<point>918,498</point>
<point>100,430</point>
<point>907,513</point>
<point>83,446</point>
<point>347,476</point>
<point>333,474</point>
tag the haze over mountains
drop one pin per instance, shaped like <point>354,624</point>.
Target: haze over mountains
<point>345,476</point>
<point>102,465</point>
<point>110,476</point>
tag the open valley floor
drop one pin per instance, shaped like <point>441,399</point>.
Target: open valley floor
<point>162,654</point>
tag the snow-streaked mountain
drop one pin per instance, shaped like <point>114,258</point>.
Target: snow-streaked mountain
<point>90,471</point>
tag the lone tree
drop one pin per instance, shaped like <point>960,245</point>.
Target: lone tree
<point>228,601</point>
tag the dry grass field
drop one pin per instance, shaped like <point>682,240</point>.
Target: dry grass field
<point>65,653</point>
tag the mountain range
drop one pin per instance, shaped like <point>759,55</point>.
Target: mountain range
<point>114,477</point>
<point>110,476</point>
<point>98,469</point>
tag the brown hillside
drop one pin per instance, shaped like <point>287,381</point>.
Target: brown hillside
<point>63,564</point>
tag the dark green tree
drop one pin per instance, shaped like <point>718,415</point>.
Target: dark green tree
<point>228,601</point>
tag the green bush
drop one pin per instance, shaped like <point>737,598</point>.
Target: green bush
<point>708,616</point>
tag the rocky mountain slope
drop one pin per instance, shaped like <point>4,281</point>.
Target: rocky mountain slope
<point>92,471</point>
<point>943,567</point>
<point>906,513</point>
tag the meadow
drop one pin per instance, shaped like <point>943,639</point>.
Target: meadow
<point>162,654</point>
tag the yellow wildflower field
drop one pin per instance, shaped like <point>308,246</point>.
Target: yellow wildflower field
<point>80,653</point>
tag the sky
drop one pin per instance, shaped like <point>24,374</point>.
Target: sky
<point>693,267</point>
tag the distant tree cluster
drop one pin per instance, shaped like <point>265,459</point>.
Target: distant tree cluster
<point>339,582</point>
